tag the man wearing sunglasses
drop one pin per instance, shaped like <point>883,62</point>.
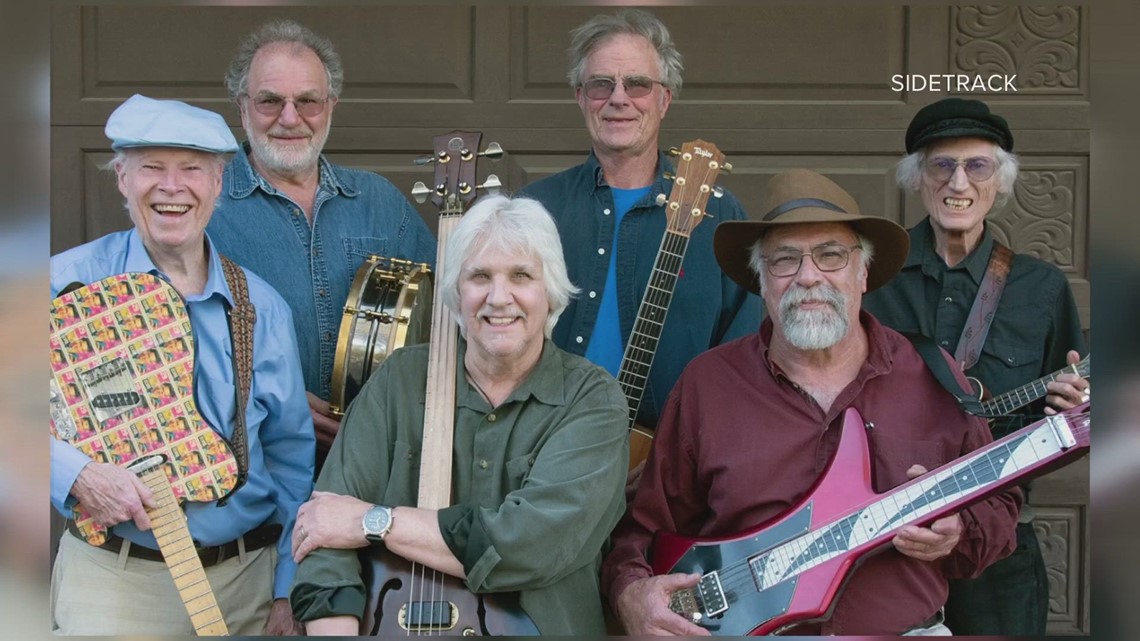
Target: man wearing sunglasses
<point>625,71</point>
<point>960,161</point>
<point>292,217</point>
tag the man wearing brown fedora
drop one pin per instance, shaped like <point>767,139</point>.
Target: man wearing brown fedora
<point>752,424</point>
<point>960,159</point>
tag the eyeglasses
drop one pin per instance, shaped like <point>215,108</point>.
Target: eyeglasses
<point>828,258</point>
<point>635,87</point>
<point>941,169</point>
<point>270,105</point>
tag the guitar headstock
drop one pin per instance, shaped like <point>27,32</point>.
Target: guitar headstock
<point>698,165</point>
<point>455,157</point>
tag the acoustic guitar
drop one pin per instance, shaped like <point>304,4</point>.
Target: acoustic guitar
<point>405,598</point>
<point>698,165</point>
<point>122,392</point>
<point>790,570</point>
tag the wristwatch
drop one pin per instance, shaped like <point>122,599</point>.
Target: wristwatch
<point>377,523</point>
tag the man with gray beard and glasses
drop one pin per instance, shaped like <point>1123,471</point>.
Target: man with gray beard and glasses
<point>752,424</point>
<point>292,217</point>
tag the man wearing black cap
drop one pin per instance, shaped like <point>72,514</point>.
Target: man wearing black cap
<point>751,425</point>
<point>960,160</point>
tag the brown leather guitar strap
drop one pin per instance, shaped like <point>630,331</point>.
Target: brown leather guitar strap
<point>241,318</point>
<point>984,307</point>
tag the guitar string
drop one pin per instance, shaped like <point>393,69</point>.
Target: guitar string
<point>738,576</point>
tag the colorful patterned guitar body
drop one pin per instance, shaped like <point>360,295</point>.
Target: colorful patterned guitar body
<point>122,392</point>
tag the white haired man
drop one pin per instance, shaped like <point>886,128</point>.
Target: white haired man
<point>540,450</point>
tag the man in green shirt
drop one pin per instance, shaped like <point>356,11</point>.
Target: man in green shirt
<point>540,447</point>
<point>960,160</point>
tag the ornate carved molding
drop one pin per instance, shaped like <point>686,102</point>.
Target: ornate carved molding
<point>1042,45</point>
<point>1054,538</point>
<point>1039,219</point>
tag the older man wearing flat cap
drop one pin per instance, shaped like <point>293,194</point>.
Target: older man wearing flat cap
<point>960,159</point>
<point>751,425</point>
<point>169,160</point>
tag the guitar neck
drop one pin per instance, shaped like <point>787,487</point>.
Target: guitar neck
<point>633,376</point>
<point>1018,398</point>
<point>439,411</point>
<point>1028,452</point>
<point>168,522</point>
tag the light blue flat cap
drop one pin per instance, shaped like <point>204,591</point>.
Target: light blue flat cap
<point>146,122</point>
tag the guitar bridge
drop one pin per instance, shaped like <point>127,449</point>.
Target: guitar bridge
<point>110,389</point>
<point>704,600</point>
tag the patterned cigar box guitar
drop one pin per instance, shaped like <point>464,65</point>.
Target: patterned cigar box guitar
<point>122,392</point>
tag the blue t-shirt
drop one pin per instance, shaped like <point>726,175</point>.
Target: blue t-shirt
<point>607,345</point>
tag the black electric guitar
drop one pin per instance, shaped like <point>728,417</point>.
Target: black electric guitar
<point>1018,398</point>
<point>405,598</point>
<point>698,165</point>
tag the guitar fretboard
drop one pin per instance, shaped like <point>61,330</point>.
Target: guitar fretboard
<point>643,340</point>
<point>926,497</point>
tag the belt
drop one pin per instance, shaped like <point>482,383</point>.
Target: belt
<point>937,618</point>
<point>257,538</point>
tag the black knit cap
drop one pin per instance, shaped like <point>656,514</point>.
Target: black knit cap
<point>956,118</point>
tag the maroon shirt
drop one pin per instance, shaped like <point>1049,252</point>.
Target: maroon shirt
<point>739,444</point>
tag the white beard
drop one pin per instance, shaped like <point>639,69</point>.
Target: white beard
<point>809,329</point>
<point>278,160</point>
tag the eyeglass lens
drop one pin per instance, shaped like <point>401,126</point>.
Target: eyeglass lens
<point>274,105</point>
<point>602,88</point>
<point>828,258</point>
<point>977,169</point>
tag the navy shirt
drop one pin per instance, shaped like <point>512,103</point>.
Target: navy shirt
<point>708,308</point>
<point>1035,325</point>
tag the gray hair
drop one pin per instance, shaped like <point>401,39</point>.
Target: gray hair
<point>284,31</point>
<point>516,225</point>
<point>756,256</point>
<point>595,31</point>
<point>217,161</point>
<point>908,172</point>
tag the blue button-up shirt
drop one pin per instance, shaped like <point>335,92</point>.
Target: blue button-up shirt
<point>708,308</point>
<point>278,424</point>
<point>356,214</point>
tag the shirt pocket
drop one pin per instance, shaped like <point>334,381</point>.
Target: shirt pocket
<point>892,456</point>
<point>215,400</point>
<point>357,249</point>
<point>404,474</point>
<point>518,469</point>
<point>1015,358</point>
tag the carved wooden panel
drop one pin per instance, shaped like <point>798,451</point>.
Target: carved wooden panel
<point>1041,45</point>
<point>1061,533</point>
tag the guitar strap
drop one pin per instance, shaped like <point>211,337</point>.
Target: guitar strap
<point>938,366</point>
<point>241,318</point>
<point>984,308</point>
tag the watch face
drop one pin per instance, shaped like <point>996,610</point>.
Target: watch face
<point>377,521</point>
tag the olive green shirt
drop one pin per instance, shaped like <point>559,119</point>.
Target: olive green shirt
<point>537,485</point>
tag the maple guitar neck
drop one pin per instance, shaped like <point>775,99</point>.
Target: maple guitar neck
<point>699,163</point>
<point>168,524</point>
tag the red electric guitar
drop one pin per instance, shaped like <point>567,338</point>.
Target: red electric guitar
<point>790,570</point>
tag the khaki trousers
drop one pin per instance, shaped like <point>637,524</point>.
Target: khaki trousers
<point>98,592</point>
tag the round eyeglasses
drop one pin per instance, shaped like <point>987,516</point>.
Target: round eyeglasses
<point>827,258</point>
<point>270,105</point>
<point>940,168</point>
<point>635,87</point>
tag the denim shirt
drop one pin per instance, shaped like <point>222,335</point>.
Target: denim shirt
<point>279,428</point>
<point>708,308</point>
<point>356,214</point>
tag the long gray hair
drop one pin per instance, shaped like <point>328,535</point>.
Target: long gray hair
<point>908,172</point>
<point>518,225</point>
<point>595,31</point>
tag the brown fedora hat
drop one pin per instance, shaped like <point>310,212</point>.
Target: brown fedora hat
<point>802,196</point>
